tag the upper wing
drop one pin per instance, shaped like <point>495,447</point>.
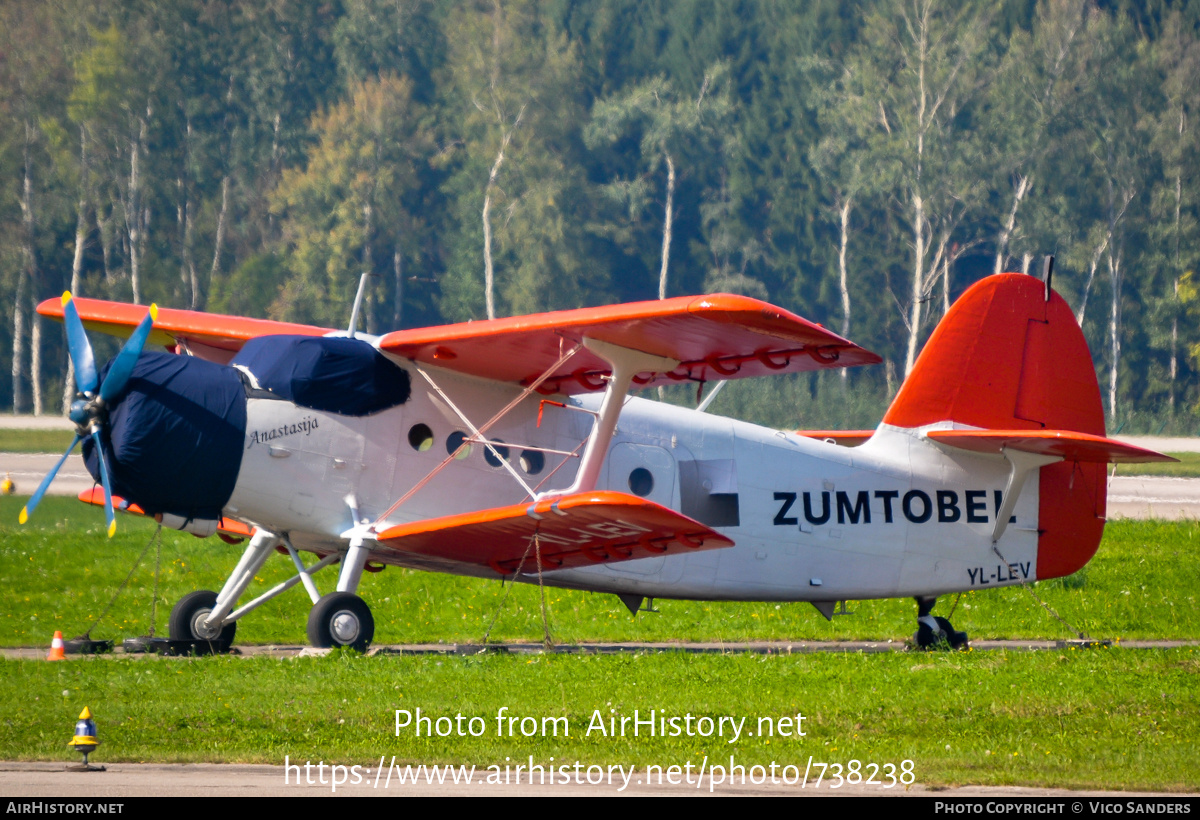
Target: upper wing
<point>209,336</point>
<point>714,337</point>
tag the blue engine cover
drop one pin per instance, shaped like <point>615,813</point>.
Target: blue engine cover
<point>333,374</point>
<point>175,436</point>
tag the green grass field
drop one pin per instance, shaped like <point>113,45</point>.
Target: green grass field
<point>35,441</point>
<point>61,572</point>
<point>1104,719</point>
<point>1188,466</point>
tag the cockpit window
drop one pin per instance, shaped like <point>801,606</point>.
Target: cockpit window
<point>337,375</point>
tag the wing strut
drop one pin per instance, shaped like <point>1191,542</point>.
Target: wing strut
<point>626,364</point>
<point>1022,464</point>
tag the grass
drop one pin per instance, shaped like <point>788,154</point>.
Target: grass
<point>1188,466</point>
<point>1112,719</point>
<point>60,572</point>
<point>1105,719</point>
<point>35,441</point>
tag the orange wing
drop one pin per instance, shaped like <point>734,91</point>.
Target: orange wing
<point>714,337</point>
<point>573,531</point>
<point>209,336</point>
<point>230,530</point>
<point>1071,445</point>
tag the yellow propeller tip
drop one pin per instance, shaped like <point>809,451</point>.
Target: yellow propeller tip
<point>112,528</point>
<point>66,297</point>
<point>153,312</point>
<point>24,516</point>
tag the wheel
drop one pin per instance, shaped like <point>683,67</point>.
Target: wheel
<point>944,638</point>
<point>958,640</point>
<point>341,619</point>
<point>187,622</point>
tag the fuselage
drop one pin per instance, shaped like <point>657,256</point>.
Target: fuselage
<point>811,521</point>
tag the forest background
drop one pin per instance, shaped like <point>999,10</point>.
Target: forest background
<point>859,164</point>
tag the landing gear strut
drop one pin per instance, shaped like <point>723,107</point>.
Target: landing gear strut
<point>934,632</point>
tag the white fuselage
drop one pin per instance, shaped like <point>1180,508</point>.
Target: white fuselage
<point>811,521</point>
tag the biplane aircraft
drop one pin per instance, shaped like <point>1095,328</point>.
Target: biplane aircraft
<point>512,449</point>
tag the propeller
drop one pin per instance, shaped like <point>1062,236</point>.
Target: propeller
<point>89,411</point>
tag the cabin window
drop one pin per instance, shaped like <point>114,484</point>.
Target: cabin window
<point>532,462</point>
<point>420,437</point>
<point>454,441</point>
<point>641,482</point>
<point>490,457</point>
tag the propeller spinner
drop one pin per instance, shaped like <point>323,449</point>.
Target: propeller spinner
<point>89,411</point>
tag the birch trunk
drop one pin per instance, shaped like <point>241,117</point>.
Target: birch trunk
<point>843,276</point>
<point>76,275</point>
<point>668,217</point>
<point>1010,225</point>
<point>19,343</point>
<point>1087,288</point>
<point>398,295</point>
<point>219,240</point>
<point>26,285</point>
<point>918,283</point>
<point>369,262</point>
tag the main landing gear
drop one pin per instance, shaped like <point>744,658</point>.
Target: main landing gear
<point>340,618</point>
<point>935,632</point>
<point>189,622</point>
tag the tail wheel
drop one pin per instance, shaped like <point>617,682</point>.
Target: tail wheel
<point>341,619</point>
<point>188,622</point>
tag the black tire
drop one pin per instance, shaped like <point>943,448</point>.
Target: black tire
<point>958,640</point>
<point>187,616</point>
<point>341,619</point>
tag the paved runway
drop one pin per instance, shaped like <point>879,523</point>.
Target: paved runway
<point>41,780</point>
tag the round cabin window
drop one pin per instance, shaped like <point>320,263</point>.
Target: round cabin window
<point>641,482</point>
<point>490,457</point>
<point>532,462</point>
<point>420,437</point>
<point>454,441</point>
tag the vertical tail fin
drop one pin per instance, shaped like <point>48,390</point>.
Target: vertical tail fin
<point>1009,356</point>
<point>1004,357</point>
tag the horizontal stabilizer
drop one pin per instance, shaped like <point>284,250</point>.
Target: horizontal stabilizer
<point>715,337</point>
<point>1067,444</point>
<point>209,336</point>
<point>572,531</point>
<point>229,529</point>
<point>843,438</point>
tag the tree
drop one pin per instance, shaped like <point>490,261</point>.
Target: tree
<point>346,212</point>
<point>521,198</point>
<point>669,128</point>
<point>919,63</point>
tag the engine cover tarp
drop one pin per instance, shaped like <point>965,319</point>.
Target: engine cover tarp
<point>337,375</point>
<point>175,436</point>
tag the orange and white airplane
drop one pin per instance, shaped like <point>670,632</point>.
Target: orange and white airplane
<point>500,448</point>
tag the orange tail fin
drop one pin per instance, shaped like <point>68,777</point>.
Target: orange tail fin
<point>1010,356</point>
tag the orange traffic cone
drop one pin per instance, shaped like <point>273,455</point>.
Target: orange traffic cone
<point>57,653</point>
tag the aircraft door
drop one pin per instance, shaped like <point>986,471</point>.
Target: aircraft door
<point>646,471</point>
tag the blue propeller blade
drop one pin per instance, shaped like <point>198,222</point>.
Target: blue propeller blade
<point>108,507</point>
<point>80,347</point>
<point>36,498</point>
<point>122,366</point>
